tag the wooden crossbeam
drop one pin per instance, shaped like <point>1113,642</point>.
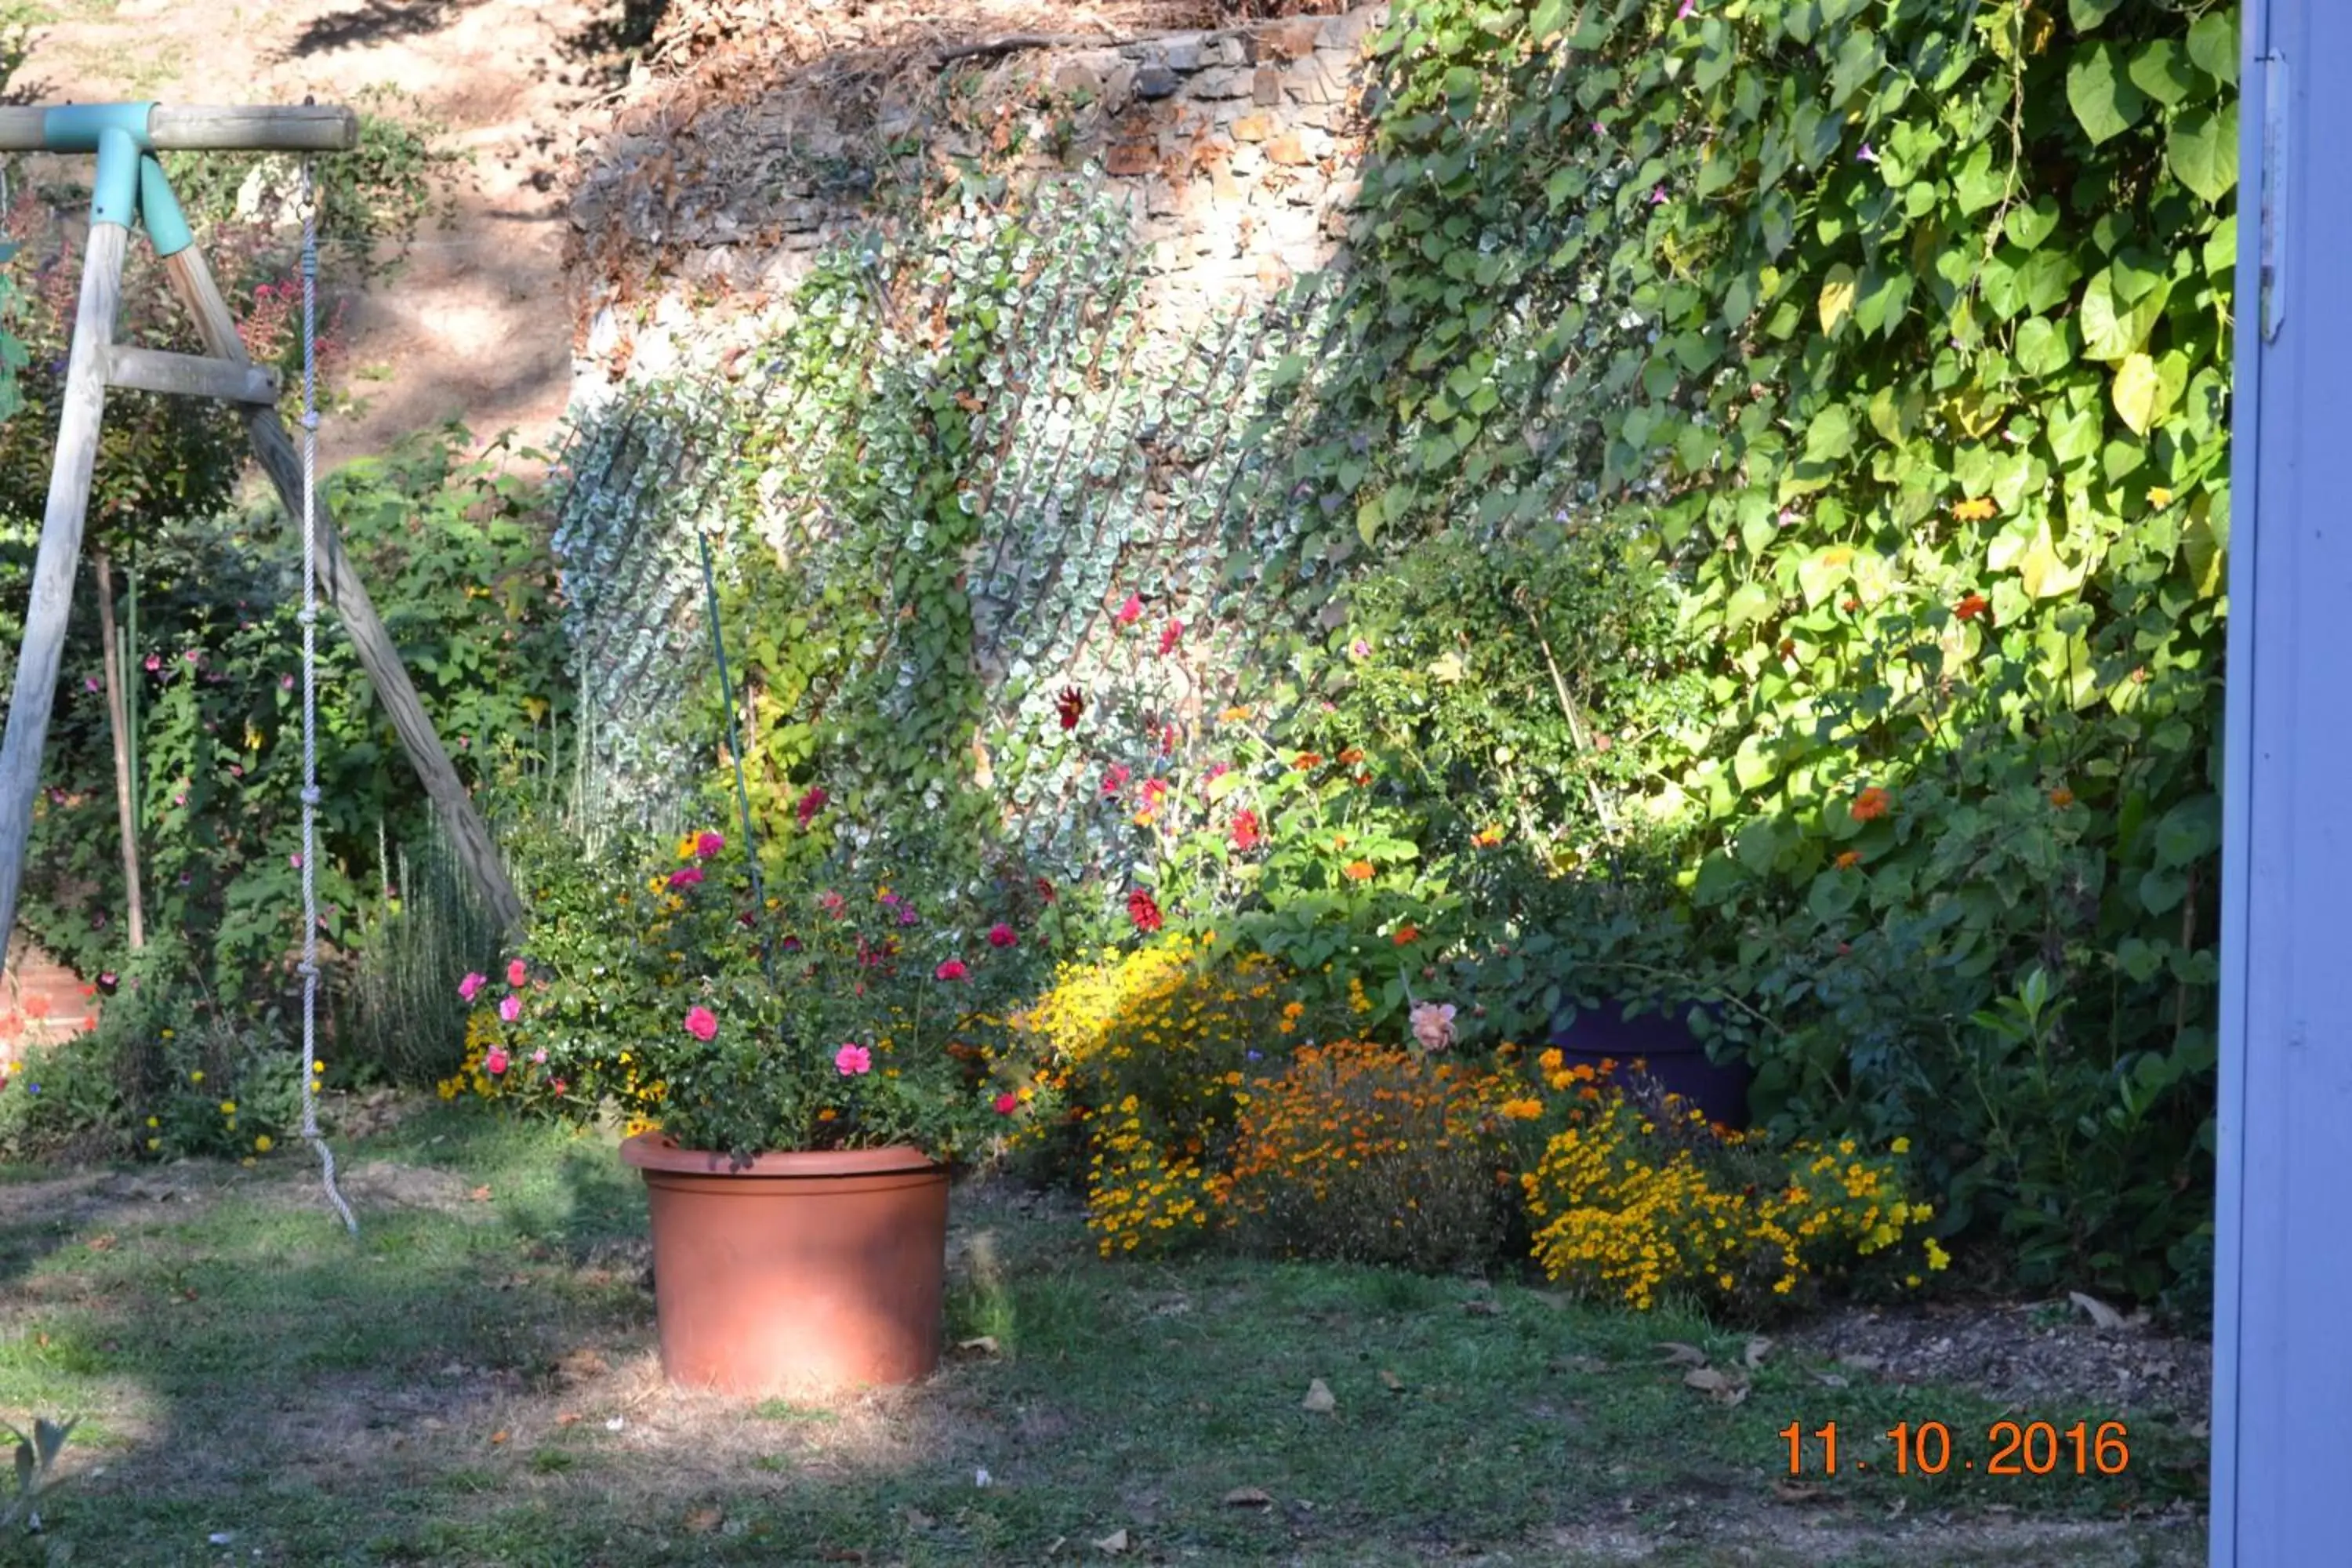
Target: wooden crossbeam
<point>203,128</point>
<point>194,375</point>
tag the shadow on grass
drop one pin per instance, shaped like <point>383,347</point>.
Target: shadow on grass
<point>474,1380</point>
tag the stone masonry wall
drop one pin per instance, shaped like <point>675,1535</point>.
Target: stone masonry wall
<point>1234,151</point>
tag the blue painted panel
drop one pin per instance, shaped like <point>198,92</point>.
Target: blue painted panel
<point>2283,1347</point>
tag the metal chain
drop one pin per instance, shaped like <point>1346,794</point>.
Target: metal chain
<point>310,619</point>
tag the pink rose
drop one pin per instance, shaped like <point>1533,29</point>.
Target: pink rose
<point>539,1056</point>
<point>471,986</point>
<point>510,1009</point>
<point>1007,1103</point>
<point>497,1059</point>
<point>953,969</point>
<point>1433,1024</point>
<point>1130,612</point>
<point>851,1060</point>
<point>689,877</point>
<point>701,1023</point>
<point>709,845</point>
<point>1001,935</point>
<point>516,972</point>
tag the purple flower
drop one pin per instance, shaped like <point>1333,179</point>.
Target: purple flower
<point>295,860</point>
<point>285,683</point>
<point>1867,154</point>
<point>1689,9</point>
<point>1658,196</point>
<point>90,683</point>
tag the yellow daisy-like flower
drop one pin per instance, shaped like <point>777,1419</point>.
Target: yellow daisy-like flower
<point>197,1076</point>
<point>228,1107</point>
<point>1901,1146</point>
<point>154,1143</point>
<point>261,1144</point>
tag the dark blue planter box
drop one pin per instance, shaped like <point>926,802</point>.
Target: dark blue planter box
<point>1669,1052</point>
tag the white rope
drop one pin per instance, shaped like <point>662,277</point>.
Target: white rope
<point>310,619</point>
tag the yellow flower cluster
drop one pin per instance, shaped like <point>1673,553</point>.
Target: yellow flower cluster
<point>473,1077</point>
<point>1144,1048</point>
<point>1621,1209</point>
<point>1138,1195</point>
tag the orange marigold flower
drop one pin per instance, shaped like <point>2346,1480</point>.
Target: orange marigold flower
<point>1970,607</point>
<point>1407,933</point>
<point>1487,837</point>
<point>1352,755</point>
<point>2062,797</point>
<point>1870,805</point>
<point>1851,858</point>
<point>1976,510</point>
<point>1306,760</point>
<point>1357,870</point>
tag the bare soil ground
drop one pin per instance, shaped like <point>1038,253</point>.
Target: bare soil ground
<point>473,328</point>
<point>476,326</point>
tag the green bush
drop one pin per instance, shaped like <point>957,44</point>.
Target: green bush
<point>399,1016</point>
<point>454,553</point>
<point>166,1073</point>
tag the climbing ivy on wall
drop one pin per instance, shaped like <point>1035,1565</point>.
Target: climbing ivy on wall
<point>1902,329</point>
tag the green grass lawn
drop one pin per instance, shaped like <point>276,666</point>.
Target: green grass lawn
<point>472,1382</point>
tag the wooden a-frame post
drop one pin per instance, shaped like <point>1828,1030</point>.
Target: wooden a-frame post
<point>129,187</point>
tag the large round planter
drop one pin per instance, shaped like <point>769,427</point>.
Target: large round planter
<point>797,1272</point>
<point>1669,1052</point>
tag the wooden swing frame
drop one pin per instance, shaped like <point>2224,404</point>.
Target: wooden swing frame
<point>130,187</point>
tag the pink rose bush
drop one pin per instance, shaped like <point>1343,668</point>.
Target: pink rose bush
<point>824,1007</point>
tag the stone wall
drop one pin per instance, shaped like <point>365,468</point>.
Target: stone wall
<point>1234,151</point>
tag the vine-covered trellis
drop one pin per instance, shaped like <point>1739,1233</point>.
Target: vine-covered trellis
<point>986,403</point>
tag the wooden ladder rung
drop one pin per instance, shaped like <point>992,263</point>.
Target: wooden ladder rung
<point>196,375</point>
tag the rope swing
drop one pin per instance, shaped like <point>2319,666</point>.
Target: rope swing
<point>310,619</point>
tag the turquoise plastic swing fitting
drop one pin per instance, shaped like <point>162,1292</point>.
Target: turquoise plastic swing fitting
<point>130,184</point>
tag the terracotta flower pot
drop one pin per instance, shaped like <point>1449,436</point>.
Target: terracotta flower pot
<point>799,1271</point>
